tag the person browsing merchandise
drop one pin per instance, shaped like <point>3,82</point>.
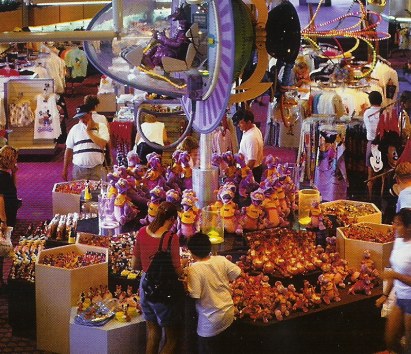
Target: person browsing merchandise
<point>398,277</point>
<point>158,315</point>
<point>85,147</point>
<point>208,282</point>
<point>251,144</point>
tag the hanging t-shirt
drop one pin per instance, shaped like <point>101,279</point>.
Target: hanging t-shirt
<point>76,59</point>
<point>20,113</point>
<point>47,118</point>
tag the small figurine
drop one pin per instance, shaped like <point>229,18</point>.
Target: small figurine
<point>124,210</point>
<point>154,175</point>
<point>187,219</point>
<point>316,217</point>
<point>187,172</point>
<point>157,196</point>
<point>271,171</point>
<point>228,209</point>
<point>270,205</point>
<point>253,215</point>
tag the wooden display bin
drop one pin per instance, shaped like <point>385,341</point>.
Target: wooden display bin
<point>57,290</point>
<point>375,217</point>
<point>352,250</point>
<point>64,203</point>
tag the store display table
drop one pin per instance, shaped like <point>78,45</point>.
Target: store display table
<point>114,337</point>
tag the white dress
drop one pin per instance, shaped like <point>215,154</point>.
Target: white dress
<point>47,118</point>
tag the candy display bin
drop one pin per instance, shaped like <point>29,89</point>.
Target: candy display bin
<point>64,203</point>
<point>57,290</point>
<point>374,217</point>
<point>352,250</point>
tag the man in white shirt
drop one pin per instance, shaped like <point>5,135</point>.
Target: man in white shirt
<point>403,176</point>
<point>85,147</point>
<point>251,144</point>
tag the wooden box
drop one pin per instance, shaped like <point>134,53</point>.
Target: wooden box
<point>352,250</point>
<point>57,290</point>
<point>107,102</point>
<point>375,217</point>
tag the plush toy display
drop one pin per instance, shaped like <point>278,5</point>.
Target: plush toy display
<point>188,217</point>
<point>271,207</point>
<point>157,196</point>
<point>124,209</point>
<point>254,215</point>
<point>186,172</point>
<point>154,175</point>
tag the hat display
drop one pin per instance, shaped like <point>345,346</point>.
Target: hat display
<point>82,111</point>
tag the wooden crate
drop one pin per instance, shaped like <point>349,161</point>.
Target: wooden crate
<point>375,217</point>
<point>352,250</point>
<point>57,290</point>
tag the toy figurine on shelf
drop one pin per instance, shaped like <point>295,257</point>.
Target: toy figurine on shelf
<point>173,173</point>
<point>271,207</point>
<point>124,210</point>
<point>157,196</point>
<point>230,172</point>
<point>283,201</point>
<point>247,182</point>
<point>154,175</point>
<point>254,215</point>
<point>87,191</point>
<point>271,171</point>
<point>188,217</point>
<point>187,172</point>
<point>329,291</point>
<point>316,217</point>
<point>228,209</point>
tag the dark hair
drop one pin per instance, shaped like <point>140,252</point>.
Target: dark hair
<point>243,114</point>
<point>166,211</point>
<point>405,216</point>
<point>405,96</point>
<point>375,98</point>
<point>199,245</point>
<point>91,100</point>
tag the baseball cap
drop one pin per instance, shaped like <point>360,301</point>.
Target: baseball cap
<point>82,111</point>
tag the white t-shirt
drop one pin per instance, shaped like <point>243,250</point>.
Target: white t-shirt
<point>400,260</point>
<point>208,282</point>
<point>85,152</point>
<point>371,118</point>
<point>99,118</point>
<point>154,132</point>
<point>404,199</point>
<point>251,145</point>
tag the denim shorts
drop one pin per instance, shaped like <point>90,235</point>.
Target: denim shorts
<point>404,305</point>
<point>165,315</point>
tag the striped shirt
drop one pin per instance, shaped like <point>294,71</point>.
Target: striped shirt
<point>85,152</point>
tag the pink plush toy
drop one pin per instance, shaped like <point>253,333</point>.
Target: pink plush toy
<point>124,209</point>
<point>157,196</point>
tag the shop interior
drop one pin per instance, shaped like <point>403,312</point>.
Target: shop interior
<point>321,233</point>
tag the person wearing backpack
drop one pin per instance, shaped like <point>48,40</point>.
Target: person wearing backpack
<point>208,281</point>
<point>157,313</point>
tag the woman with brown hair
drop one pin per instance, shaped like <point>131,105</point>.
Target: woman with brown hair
<point>159,315</point>
<point>9,203</point>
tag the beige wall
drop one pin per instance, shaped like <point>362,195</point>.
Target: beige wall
<point>47,15</point>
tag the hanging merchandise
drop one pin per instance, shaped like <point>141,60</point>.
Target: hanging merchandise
<point>20,112</point>
<point>47,117</point>
<point>76,60</point>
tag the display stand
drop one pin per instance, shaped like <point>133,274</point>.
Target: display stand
<point>57,290</point>
<point>22,138</point>
<point>114,337</point>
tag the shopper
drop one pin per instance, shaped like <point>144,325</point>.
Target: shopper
<point>191,145</point>
<point>371,119</point>
<point>403,177</point>
<point>208,281</point>
<point>9,203</point>
<point>251,144</point>
<point>159,316</point>
<point>155,132</point>
<point>85,147</point>
<point>93,102</point>
<point>399,278</point>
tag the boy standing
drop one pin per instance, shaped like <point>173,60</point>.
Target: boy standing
<point>208,282</point>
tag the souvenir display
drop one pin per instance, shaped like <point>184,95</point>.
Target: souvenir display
<point>73,259</point>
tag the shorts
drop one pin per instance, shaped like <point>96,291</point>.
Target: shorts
<point>368,154</point>
<point>165,315</point>
<point>404,305</point>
